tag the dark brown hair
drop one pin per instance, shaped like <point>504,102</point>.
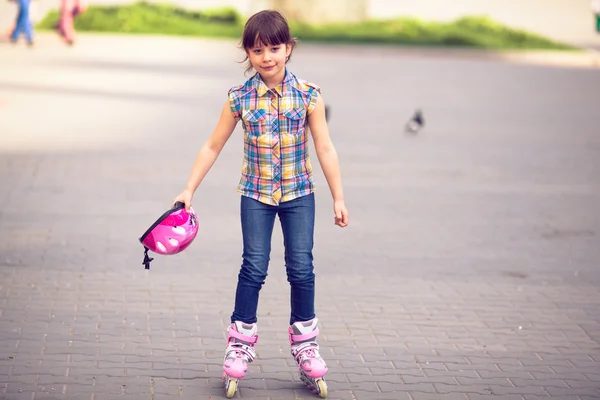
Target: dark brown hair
<point>267,27</point>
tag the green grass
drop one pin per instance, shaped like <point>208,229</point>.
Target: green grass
<point>478,32</point>
<point>146,18</point>
<point>150,18</point>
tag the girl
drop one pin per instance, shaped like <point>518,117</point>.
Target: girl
<point>276,109</point>
<point>69,10</point>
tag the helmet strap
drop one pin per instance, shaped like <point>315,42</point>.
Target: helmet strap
<point>147,259</point>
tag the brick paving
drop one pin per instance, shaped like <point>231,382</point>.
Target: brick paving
<point>470,270</point>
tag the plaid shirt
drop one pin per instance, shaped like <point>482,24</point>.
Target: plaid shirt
<point>276,166</point>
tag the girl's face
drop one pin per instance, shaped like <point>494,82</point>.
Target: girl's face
<point>269,60</point>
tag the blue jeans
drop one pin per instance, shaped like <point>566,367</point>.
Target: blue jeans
<point>297,224</point>
<point>23,24</point>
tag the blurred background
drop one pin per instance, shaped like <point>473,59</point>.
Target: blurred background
<point>469,140</point>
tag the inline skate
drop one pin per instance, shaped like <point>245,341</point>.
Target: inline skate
<point>305,350</point>
<point>239,353</point>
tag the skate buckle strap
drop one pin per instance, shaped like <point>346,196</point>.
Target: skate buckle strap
<point>240,347</point>
<point>235,334</point>
<point>306,349</point>
<point>306,336</point>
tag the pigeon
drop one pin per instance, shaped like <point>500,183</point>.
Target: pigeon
<point>415,123</point>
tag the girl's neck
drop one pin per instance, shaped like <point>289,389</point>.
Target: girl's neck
<point>275,80</point>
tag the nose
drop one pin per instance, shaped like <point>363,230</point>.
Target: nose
<point>266,56</point>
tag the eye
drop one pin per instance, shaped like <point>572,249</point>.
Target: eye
<point>256,51</point>
<point>275,49</point>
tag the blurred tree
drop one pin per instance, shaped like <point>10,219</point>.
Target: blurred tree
<point>316,11</point>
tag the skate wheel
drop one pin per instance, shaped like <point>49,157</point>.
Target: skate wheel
<point>322,388</point>
<point>231,387</point>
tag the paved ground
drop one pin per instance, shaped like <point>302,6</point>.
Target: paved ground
<point>470,269</point>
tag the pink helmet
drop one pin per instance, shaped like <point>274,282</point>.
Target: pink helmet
<point>173,232</point>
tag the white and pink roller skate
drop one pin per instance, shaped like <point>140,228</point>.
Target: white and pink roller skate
<point>239,353</point>
<point>305,350</point>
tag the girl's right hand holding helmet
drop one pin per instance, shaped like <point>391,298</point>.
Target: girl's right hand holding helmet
<point>185,197</point>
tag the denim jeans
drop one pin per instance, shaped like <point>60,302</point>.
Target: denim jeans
<point>23,24</point>
<point>297,224</point>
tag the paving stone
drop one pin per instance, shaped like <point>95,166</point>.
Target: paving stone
<point>469,270</point>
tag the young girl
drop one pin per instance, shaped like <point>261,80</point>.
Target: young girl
<point>276,109</point>
<point>69,10</point>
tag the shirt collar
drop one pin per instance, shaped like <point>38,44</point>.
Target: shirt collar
<point>262,89</point>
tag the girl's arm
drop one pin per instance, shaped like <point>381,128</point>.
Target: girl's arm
<point>329,161</point>
<point>208,155</point>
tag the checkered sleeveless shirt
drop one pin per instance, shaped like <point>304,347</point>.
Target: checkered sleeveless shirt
<point>276,166</point>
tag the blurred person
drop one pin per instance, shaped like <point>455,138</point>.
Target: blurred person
<point>23,24</point>
<point>277,110</point>
<point>69,10</point>
<point>8,31</point>
<point>596,10</point>
<point>10,28</point>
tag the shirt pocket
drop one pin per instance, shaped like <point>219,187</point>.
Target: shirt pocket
<point>254,121</point>
<point>295,120</point>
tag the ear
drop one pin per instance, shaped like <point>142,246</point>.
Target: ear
<point>288,49</point>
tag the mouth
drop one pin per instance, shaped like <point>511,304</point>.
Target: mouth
<point>268,68</point>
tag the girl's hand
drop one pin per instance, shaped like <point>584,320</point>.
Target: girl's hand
<point>185,197</point>
<point>341,214</point>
